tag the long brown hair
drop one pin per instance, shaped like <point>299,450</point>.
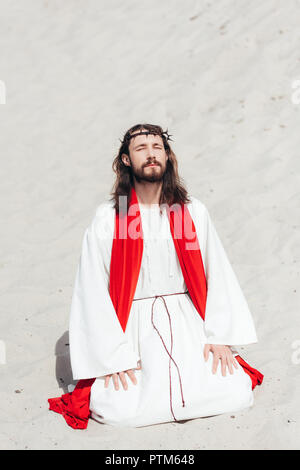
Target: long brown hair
<point>173,190</point>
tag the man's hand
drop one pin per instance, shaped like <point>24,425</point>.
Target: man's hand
<point>222,353</point>
<point>122,377</point>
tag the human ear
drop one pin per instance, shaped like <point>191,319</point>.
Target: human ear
<point>125,159</point>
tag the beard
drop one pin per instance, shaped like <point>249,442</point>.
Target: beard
<point>151,175</point>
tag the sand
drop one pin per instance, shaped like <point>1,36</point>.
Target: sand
<point>220,77</point>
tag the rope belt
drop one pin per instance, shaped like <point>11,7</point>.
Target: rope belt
<point>169,353</point>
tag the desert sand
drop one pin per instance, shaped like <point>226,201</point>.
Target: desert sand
<point>222,77</point>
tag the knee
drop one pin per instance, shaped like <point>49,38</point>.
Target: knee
<point>116,407</point>
<point>241,390</point>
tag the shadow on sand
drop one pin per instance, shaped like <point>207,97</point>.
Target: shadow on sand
<point>63,364</point>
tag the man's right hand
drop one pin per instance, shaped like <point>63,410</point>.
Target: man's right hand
<point>122,377</point>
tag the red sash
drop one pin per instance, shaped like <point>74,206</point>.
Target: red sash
<point>126,258</point>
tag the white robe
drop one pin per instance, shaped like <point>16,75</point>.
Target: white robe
<point>98,345</point>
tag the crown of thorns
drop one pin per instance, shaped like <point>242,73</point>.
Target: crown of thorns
<point>163,134</point>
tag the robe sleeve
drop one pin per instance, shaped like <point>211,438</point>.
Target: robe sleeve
<point>228,319</point>
<point>98,345</point>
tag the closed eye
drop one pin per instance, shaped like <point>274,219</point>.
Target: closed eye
<point>141,148</point>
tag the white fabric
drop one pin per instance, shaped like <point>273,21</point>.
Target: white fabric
<point>227,319</point>
<point>98,345</point>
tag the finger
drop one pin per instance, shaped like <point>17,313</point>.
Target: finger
<point>116,381</point>
<point>229,363</point>
<point>123,380</point>
<point>223,364</point>
<point>139,366</point>
<point>107,377</point>
<point>215,363</point>
<point>230,359</point>
<point>132,376</point>
<point>206,351</point>
<point>235,363</point>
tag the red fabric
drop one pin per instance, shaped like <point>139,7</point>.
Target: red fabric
<point>74,406</point>
<point>255,375</point>
<point>126,258</point>
<point>184,236</point>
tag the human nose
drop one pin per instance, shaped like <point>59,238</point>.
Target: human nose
<point>151,154</point>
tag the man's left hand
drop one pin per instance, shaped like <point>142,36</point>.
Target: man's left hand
<point>223,354</point>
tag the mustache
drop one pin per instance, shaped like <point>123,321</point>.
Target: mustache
<point>152,163</point>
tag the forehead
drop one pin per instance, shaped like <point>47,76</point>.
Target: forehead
<point>145,139</point>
